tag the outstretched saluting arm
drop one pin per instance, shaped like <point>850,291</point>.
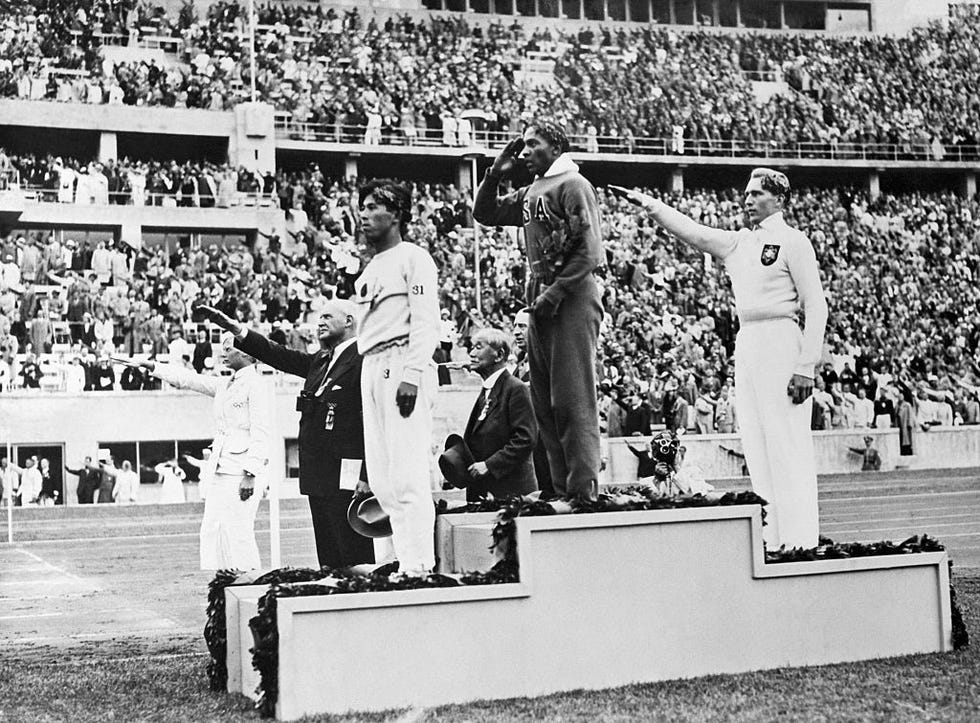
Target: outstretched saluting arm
<point>277,356</point>
<point>183,378</point>
<point>714,241</point>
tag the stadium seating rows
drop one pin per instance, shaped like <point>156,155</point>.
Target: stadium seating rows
<point>898,272</point>
<point>917,94</point>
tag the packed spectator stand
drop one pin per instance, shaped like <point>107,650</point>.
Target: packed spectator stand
<point>338,75</point>
<point>135,183</point>
<point>898,271</point>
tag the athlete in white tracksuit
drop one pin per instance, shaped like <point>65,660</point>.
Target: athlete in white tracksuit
<point>399,329</point>
<point>774,274</point>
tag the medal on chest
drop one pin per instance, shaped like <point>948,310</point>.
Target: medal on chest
<point>331,415</point>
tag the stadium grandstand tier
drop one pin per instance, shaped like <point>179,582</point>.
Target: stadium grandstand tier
<point>898,270</point>
<point>340,75</point>
<point>55,179</point>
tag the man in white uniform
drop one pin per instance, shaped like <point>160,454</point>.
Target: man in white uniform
<point>398,311</point>
<point>127,483</point>
<point>774,275</point>
<point>243,407</point>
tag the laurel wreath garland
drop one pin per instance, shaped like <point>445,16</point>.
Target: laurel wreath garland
<point>215,634</point>
<point>297,582</point>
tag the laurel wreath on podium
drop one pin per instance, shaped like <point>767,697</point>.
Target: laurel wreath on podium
<point>296,582</point>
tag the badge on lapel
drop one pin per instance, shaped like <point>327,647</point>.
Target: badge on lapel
<point>770,252</point>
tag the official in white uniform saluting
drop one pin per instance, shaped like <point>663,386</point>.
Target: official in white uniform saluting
<point>234,473</point>
<point>774,275</point>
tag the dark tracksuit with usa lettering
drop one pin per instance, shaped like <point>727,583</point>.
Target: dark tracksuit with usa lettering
<point>560,215</point>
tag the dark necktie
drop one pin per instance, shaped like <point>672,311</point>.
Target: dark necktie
<point>481,405</point>
<point>326,376</point>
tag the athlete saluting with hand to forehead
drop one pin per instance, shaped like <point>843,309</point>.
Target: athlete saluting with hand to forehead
<point>559,212</point>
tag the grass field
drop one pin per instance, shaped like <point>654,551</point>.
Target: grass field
<point>120,682</point>
<point>91,631</point>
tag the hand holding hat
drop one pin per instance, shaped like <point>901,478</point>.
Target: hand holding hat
<point>367,518</point>
<point>455,462</point>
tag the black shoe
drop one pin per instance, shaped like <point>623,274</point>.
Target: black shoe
<point>386,569</point>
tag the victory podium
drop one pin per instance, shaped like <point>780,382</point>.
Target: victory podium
<point>603,600</point>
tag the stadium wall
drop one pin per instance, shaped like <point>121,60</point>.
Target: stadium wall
<point>898,16</point>
<point>80,422</point>
<point>129,223</point>
<point>248,130</point>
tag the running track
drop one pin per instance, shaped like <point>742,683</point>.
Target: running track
<point>101,577</point>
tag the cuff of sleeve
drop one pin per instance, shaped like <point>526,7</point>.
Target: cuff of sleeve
<point>492,467</point>
<point>412,376</point>
<point>552,296</point>
<point>804,370</point>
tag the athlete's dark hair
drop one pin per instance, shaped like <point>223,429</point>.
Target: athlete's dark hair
<point>551,132</point>
<point>394,196</point>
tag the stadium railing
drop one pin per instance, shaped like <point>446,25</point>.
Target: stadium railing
<point>287,129</point>
<point>40,194</point>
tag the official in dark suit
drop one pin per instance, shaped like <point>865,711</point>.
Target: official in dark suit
<point>501,432</point>
<point>331,432</point>
<point>88,481</point>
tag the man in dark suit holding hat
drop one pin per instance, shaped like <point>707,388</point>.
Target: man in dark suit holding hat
<point>331,432</point>
<point>501,432</point>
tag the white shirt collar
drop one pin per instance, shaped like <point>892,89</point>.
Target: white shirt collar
<point>562,164</point>
<point>492,379</point>
<point>775,219</point>
<point>239,373</point>
<point>339,349</point>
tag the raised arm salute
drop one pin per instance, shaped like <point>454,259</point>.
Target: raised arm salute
<point>243,406</point>
<point>774,275</point>
<point>331,430</point>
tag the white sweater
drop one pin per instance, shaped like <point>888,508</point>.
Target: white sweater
<point>397,297</point>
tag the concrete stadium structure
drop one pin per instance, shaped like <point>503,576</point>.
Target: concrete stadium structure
<point>72,426</point>
<point>257,137</point>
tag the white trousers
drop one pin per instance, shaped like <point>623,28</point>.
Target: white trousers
<point>397,454</point>
<point>228,527</point>
<point>776,436</point>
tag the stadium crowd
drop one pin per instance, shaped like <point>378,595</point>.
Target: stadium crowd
<point>898,272</point>
<point>135,183</point>
<point>375,79</point>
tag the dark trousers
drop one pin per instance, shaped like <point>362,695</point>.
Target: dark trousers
<point>542,470</point>
<point>337,545</point>
<point>86,492</point>
<point>561,356</point>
